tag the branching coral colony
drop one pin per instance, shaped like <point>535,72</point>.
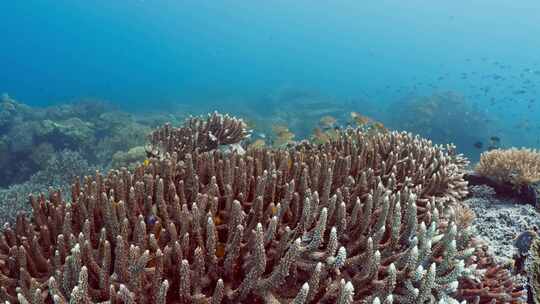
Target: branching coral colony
<point>518,167</point>
<point>197,133</point>
<point>361,219</point>
<point>534,273</point>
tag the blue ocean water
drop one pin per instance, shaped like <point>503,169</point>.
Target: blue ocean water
<point>159,54</point>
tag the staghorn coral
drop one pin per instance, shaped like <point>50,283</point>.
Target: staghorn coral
<point>534,273</point>
<point>59,171</point>
<point>357,220</point>
<point>491,284</point>
<point>415,162</point>
<point>519,167</point>
<point>197,133</point>
<point>464,216</point>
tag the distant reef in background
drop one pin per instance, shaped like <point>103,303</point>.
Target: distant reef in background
<point>89,131</point>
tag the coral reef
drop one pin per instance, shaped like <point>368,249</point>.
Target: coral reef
<point>129,159</point>
<point>29,136</point>
<point>498,221</point>
<point>511,172</point>
<point>494,283</point>
<point>203,134</point>
<point>58,172</point>
<point>70,133</point>
<point>362,219</point>
<point>534,273</point>
<point>518,167</point>
<point>62,168</point>
<point>300,110</point>
<point>442,117</point>
<point>282,135</point>
<point>119,131</point>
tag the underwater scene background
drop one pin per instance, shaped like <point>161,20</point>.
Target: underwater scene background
<point>456,71</point>
<point>351,152</point>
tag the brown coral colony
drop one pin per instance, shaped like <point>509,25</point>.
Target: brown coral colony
<point>361,219</point>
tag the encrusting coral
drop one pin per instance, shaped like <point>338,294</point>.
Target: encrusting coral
<point>200,133</point>
<point>356,220</point>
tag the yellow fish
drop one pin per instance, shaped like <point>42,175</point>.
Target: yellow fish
<point>360,119</point>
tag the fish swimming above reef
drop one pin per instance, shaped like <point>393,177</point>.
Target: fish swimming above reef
<point>282,134</point>
<point>524,240</point>
<point>360,119</point>
<point>523,243</point>
<point>495,139</point>
<point>327,122</point>
<point>478,145</point>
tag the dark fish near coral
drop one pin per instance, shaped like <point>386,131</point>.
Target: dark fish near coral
<point>524,240</point>
<point>523,244</point>
<point>478,145</point>
<point>151,219</point>
<point>495,139</point>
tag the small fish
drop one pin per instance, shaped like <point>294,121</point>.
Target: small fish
<point>379,126</point>
<point>524,240</point>
<point>257,144</point>
<point>478,145</point>
<point>327,122</point>
<point>495,139</point>
<point>151,219</point>
<point>360,119</point>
